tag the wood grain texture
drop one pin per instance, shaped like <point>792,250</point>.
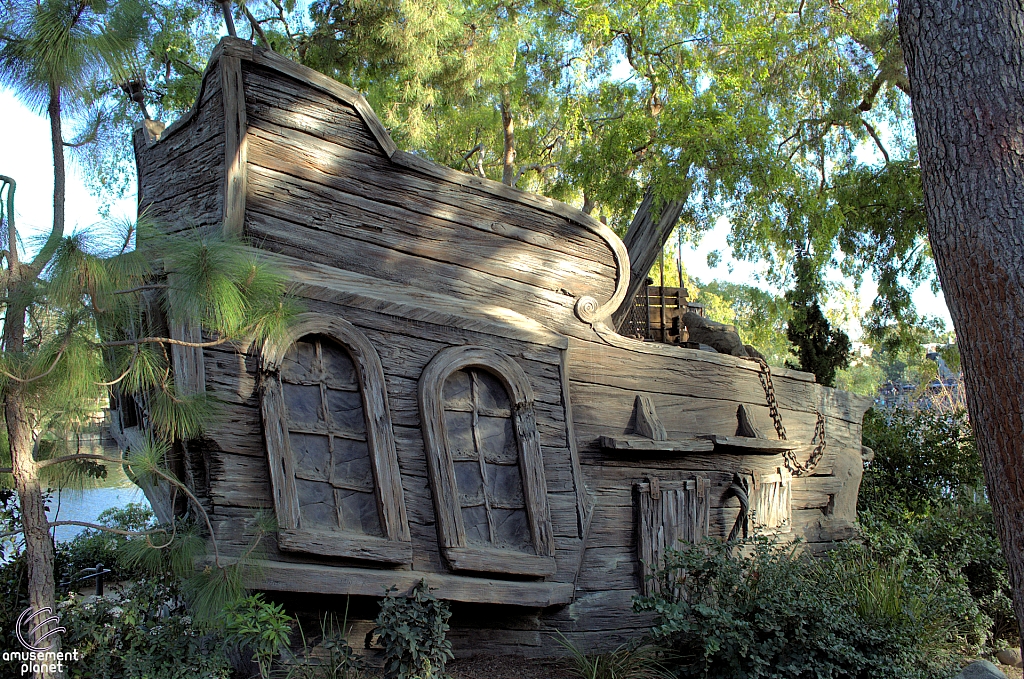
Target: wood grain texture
<point>236,143</point>
<point>646,422</point>
<point>302,577</point>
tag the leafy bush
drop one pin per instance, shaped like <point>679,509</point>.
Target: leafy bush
<point>331,658</point>
<point>144,633</point>
<point>413,631</point>
<point>92,546</point>
<point>923,499</point>
<point>924,459</point>
<point>260,627</point>
<point>759,610</point>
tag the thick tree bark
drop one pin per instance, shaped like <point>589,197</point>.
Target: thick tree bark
<point>644,241</point>
<point>966,71</point>
<point>508,157</point>
<point>38,542</point>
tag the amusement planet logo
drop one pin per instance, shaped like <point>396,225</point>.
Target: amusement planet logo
<point>36,657</point>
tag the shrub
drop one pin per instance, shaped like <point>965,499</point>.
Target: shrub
<point>413,631</point>
<point>924,459</point>
<point>143,633</point>
<point>331,658</point>
<point>628,661</point>
<point>923,499</point>
<point>91,546</point>
<point>758,610</point>
<point>260,627</point>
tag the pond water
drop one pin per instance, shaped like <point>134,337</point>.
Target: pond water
<point>88,504</point>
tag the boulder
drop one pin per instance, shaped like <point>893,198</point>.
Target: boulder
<point>721,337</point>
<point>1009,656</point>
<point>980,669</point>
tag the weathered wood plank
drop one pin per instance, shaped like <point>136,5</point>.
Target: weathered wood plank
<point>236,161</point>
<point>301,577</point>
<point>645,445</point>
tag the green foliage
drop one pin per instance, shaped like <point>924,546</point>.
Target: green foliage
<point>924,459</point>
<point>756,609</point>
<point>819,348</point>
<point>330,658</point>
<point>628,661</point>
<point>258,627</point>
<point>923,500</point>
<point>92,547</point>
<point>145,633</point>
<point>413,630</point>
<point>759,316</point>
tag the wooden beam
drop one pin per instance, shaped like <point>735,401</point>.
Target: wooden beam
<point>236,157</point>
<point>645,445</point>
<point>303,577</point>
<point>644,241</point>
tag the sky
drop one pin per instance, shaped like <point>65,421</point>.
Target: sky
<point>27,158</point>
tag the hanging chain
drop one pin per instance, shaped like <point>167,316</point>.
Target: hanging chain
<point>789,457</point>
<point>765,375</point>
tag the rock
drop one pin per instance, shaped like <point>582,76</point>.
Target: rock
<point>721,337</point>
<point>1009,656</point>
<point>752,352</point>
<point>980,669</point>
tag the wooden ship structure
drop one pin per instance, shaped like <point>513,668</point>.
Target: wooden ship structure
<point>453,405</point>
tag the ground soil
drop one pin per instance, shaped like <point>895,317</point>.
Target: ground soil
<point>507,667</point>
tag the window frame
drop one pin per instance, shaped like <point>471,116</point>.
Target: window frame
<point>460,555</point>
<point>395,546</point>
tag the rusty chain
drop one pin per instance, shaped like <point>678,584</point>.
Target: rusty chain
<point>765,375</point>
<point>789,457</point>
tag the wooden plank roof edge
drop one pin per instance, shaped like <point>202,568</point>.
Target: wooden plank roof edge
<point>588,309</point>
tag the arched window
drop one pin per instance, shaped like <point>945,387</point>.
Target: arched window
<point>333,464</point>
<point>486,470</point>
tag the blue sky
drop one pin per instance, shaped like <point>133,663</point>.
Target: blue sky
<point>27,158</point>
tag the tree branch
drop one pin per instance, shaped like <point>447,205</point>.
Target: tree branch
<point>878,142</point>
<point>256,27</point>
<point>108,529</point>
<point>164,340</point>
<point>532,166</point>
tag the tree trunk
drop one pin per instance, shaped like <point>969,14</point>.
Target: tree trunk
<point>644,241</point>
<point>508,158</point>
<point>38,543</point>
<point>967,86</point>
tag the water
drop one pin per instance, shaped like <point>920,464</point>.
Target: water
<point>86,505</point>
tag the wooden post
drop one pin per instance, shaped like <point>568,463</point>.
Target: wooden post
<point>661,294</point>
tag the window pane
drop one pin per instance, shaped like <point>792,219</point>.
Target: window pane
<point>352,464</point>
<point>333,469</point>
<point>475,519</point>
<point>346,408</point>
<point>303,404</point>
<point>481,435</point>
<point>511,529</point>
<point>505,486</point>
<point>312,456</point>
<point>316,505</point>
<point>358,512</point>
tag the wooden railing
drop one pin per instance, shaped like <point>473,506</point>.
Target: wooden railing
<point>657,313</point>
